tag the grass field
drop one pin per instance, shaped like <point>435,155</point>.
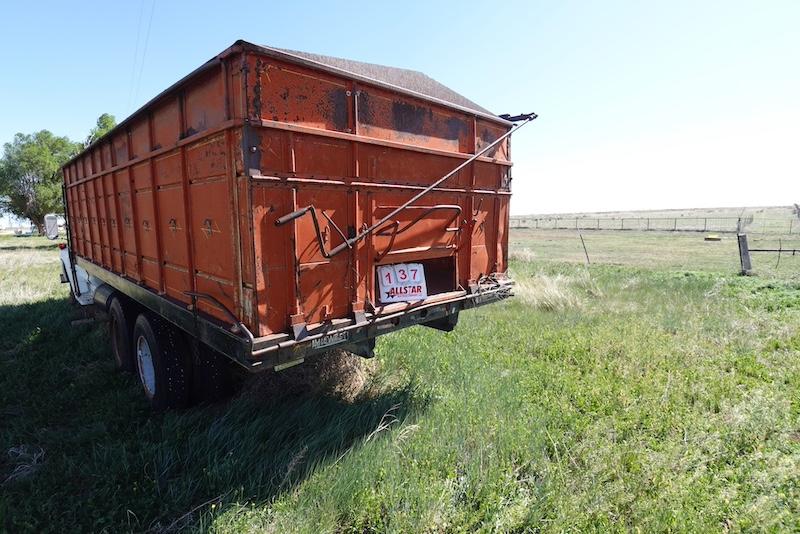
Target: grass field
<point>653,391</point>
<point>655,250</point>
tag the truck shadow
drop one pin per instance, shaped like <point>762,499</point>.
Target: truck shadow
<point>101,444</point>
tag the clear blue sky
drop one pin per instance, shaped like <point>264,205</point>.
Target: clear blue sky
<point>642,104</point>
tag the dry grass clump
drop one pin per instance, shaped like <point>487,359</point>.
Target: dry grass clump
<point>547,292</point>
<point>523,255</point>
<point>583,280</point>
<point>338,374</point>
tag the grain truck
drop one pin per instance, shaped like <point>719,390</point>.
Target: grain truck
<point>273,205</point>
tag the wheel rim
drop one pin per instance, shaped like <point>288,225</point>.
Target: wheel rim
<point>144,360</point>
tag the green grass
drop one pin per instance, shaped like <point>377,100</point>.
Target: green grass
<point>652,396</point>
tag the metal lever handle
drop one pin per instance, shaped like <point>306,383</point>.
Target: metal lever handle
<point>292,216</point>
<point>320,241</point>
<point>520,117</point>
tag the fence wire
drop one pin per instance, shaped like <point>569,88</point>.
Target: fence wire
<point>786,226</point>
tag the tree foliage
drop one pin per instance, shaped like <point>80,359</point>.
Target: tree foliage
<point>30,170</point>
<point>30,174</point>
<point>105,123</point>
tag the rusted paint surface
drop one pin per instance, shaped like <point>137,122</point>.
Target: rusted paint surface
<point>184,196</point>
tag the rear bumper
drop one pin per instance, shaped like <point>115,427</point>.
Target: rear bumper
<point>382,321</point>
<point>279,351</point>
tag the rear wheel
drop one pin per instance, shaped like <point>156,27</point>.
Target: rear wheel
<point>162,359</point>
<point>120,330</point>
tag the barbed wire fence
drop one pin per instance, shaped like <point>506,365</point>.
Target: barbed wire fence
<point>774,253</point>
<point>749,224</point>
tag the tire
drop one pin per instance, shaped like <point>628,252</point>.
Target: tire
<point>211,375</point>
<point>162,359</point>
<point>120,330</point>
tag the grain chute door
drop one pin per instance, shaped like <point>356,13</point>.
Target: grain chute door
<point>427,229</point>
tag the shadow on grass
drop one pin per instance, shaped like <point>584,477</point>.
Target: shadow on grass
<point>50,246</point>
<point>12,243</point>
<point>108,463</point>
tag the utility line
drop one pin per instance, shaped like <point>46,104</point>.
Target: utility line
<point>135,56</point>
<point>144,49</point>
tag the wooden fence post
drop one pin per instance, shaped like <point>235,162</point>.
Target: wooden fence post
<point>744,255</point>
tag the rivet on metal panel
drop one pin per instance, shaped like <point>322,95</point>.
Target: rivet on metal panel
<point>253,149</point>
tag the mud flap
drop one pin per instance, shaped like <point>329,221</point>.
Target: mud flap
<point>445,324</point>
<point>365,349</point>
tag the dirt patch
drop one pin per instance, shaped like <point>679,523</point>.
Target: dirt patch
<point>337,374</point>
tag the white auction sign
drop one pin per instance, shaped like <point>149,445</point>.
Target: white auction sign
<point>402,282</point>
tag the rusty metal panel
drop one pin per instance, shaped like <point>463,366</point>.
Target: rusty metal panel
<point>433,235</point>
<point>166,119</point>
<point>321,157</point>
<point>504,204</point>
<point>274,152</point>
<point>486,133</point>
<point>205,104</point>
<point>125,220</point>
<point>380,163</point>
<point>120,147</point>
<point>385,115</point>
<point>488,176</point>
<point>207,158</point>
<point>274,270</point>
<point>83,220</point>
<point>483,232</point>
<point>288,93</point>
<point>102,204</point>
<point>145,210</point>
<point>105,160</point>
<point>213,242</point>
<point>111,222</point>
<point>172,226</point>
<point>140,138</point>
<point>94,226</point>
<point>94,160</point>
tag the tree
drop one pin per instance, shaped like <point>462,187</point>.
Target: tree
<point>105,123</point>
<point>30,175</point>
